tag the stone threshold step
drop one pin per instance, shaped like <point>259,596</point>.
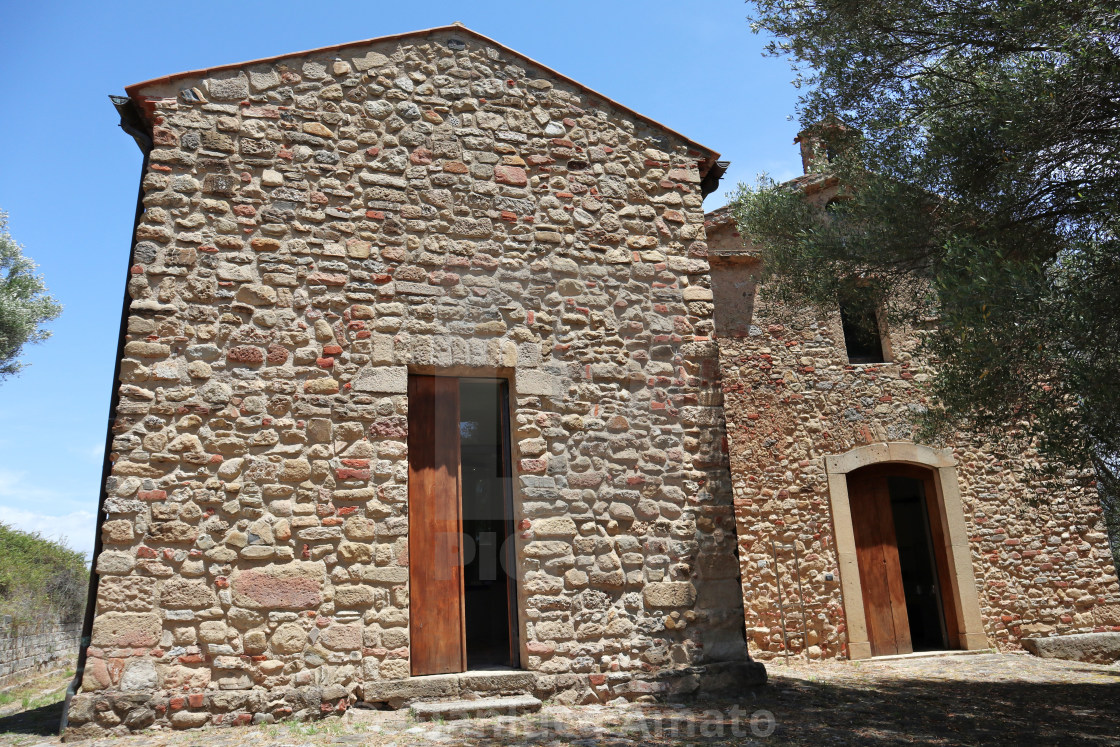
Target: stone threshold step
<point>480,708</point>
<point>928,655</point>
<point>448,687</point>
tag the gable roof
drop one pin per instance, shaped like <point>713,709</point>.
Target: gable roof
<point>708,156</point>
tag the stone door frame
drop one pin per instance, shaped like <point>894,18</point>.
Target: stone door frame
<point>964,598</point>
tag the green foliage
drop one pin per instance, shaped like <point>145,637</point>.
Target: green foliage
<point>40,578</point>
<point>24,305</point>
<point>985,168</point>
<point>36,694</point>
<point>980,161</point>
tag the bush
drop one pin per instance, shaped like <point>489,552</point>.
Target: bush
<point>40,579</point>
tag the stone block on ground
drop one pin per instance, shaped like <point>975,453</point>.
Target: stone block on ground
<point>1094,648</point>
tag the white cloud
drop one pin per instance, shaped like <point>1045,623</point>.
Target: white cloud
<point>90,453</point>
<point>24,504</point>
<point>77,528</point>
<point>14,486</point>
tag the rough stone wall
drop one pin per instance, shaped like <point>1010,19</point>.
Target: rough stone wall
<point>314,228</point>
<point>1039,550</point>
<point>29,651</point>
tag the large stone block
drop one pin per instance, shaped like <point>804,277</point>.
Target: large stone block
<point>111,563</point>
<point>139,674</point>
<point>383,379</point>
<point>140,349</point>
<point>339,637</point>
<point>180,678</point>
<point>1096,648</point>
<point>172,532</point>
<point>295,470</point>
<point>289,638</point>
<point>292,586</point>
<point>400,692</point>
<point>369,60</point>
<point>353,597</point>
<point>386,575</point>
<point>558,526</point>
<point>183,594</point>
<point>126,630</point>
<point>669,594</point>
<point>126,593</point>
<point>118,532</point>
<point>228,87</point>
<point>535,381</point>
<point>360,528</point>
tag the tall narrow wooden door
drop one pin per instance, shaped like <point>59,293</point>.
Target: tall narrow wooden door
<point>880,575</point>
<point>436,613</point>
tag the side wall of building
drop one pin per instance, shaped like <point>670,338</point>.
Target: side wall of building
<point>316,229</point>
<point>1039,550</point>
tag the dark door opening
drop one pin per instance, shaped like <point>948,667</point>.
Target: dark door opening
<point>902,559</point>
<point>489,593</point>
<point>917,564</point>
<point>462,602</point>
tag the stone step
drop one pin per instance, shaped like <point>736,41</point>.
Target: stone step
<point>480,708</point>
<point>488,684</point>
<point>928,655</point>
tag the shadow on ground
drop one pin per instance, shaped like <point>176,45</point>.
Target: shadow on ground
<point>990,701</point>
<point>880,712</point>
<point>42,721</point>
<point>951,712</point>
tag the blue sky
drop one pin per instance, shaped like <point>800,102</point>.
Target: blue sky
<point>69,175</point>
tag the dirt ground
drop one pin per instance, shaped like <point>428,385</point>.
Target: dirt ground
<point>989,699</point>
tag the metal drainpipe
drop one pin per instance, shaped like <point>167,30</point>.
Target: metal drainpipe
<point>133,124</point>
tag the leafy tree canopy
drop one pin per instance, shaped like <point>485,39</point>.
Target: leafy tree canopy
<point>977,148</point>
<point>24,305</point>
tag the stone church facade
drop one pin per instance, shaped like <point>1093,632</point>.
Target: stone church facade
<point>338,251</point>
<point>814,431</point>
<point>424,371</point>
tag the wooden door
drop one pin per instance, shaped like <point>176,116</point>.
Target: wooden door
<point>880,575</point>
<point>435,577</point>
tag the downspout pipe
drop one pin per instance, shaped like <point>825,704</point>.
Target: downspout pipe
<point>132,122</point>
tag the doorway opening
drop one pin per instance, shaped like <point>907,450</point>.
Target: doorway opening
<point>903,566</point>
<point>462,600</point>
<point>917,564</point>
<point>488,590</point>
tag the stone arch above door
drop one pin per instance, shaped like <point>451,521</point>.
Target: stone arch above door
<point>965,599</point>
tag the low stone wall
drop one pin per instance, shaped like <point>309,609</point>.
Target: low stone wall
<point>29,651</point>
